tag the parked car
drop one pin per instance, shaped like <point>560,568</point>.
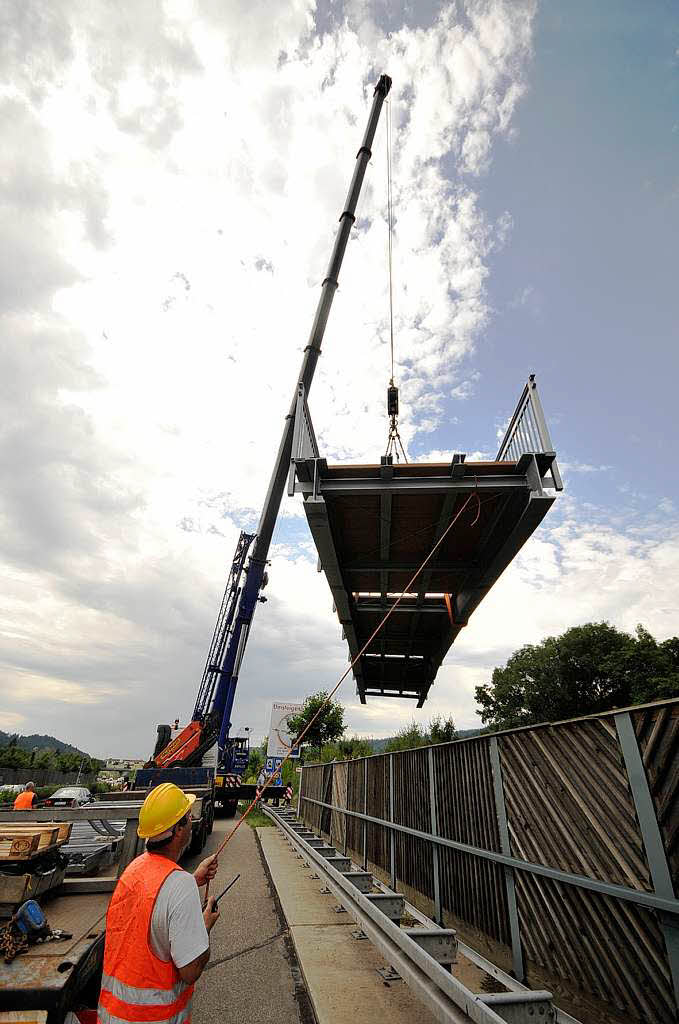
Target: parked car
<point>69,796</point>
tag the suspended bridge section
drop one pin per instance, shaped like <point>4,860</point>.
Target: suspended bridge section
<point>375,525</point>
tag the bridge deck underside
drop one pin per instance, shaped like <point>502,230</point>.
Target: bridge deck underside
<point>373,526</point>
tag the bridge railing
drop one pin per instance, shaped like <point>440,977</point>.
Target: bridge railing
<point>552,849</point>
<point>528,433</point>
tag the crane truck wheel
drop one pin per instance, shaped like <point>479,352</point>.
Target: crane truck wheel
<point>230,807</point>
<point>210,818</point>
<point>198,839</point>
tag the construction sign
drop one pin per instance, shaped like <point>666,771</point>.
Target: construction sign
<point>280,740</point>
<point>273,768</point>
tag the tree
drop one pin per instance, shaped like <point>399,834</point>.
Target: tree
<point>409,736</point>
<point>329,725</point>
<point>44,760</point>
<point>346,749</point>
<point>14,757</point>
<point>256,761</point>
<point>442,730</point>
<point>586,670</point>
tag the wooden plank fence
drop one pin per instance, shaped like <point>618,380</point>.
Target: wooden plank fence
<point>554,850</point>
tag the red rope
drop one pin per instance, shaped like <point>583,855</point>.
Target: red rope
<point>344,675</point>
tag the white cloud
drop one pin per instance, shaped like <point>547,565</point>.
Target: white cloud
<point>171,186</point>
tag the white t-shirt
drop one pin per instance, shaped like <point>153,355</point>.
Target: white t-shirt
<point>178,931</point>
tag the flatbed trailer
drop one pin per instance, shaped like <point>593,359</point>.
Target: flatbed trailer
<point>57,976</point>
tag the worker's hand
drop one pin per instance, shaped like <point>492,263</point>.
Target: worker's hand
<point>211,914</point>
<point>206,870</point>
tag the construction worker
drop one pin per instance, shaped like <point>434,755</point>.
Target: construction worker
<point>27,798</point>
<point>157,943</point>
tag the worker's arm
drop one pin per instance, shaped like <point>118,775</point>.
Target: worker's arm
<point>191,972</point>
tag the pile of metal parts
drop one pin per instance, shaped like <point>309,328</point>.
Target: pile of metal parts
<point>92,845</point>
<point>421,956</point>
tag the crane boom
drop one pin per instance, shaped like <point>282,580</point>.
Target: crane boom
<point>212,716</point>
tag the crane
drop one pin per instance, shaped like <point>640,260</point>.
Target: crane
<point>211,719</point>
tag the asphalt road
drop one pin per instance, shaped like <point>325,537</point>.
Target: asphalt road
<point>251,975</point>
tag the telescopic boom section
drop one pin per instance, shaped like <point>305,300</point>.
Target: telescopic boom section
<point>272,502</point>
<point>217,694</point>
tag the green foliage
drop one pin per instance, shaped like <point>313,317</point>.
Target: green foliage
<point>412,735</point>
<point>346,749</point>
<point>100,787</point>
<point>13,756</point>
<point>38,742</point>
<point>256,761</point>
<point>256,818</point>
<point>440,730</point>
<point>290,776</point>
<point>328,727</point>
<point>586,670</point>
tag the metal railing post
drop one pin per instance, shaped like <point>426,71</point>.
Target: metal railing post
<point>365,811</point>
<point>501,811</point>
<point>434,831</point>
<point>653,843</point>
<point>392,833</point>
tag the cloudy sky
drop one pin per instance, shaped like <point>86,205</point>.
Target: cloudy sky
<point>171,178</point>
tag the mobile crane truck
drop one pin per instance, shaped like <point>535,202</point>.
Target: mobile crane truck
<point>186,758</point>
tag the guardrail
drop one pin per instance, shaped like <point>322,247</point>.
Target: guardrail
<point>528,433</point>
<point>557,845</point>
<point>449,1000</point>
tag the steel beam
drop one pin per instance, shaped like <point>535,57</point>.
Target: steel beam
<point>368,565</point>
<point>392,834</point>
<point>406,605</point>
<point>433,817</point>
<point>365,812</point>
<point>505,846</point>
<point>412,485</point>
<point>445,515</point>
<point>653,842</point>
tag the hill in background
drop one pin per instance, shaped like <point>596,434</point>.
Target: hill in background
<point>379,745</point>
<point>41,742</point>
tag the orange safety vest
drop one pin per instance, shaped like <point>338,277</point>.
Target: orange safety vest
<point>24,801</point>
<point>136,984</point>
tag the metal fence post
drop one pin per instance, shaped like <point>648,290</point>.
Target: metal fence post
<point>501,811</point>
<point>365,811</point>
<point>434,831</point>
<point>392,833</point>
<point>300,813</point>
<point>653,843</point>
